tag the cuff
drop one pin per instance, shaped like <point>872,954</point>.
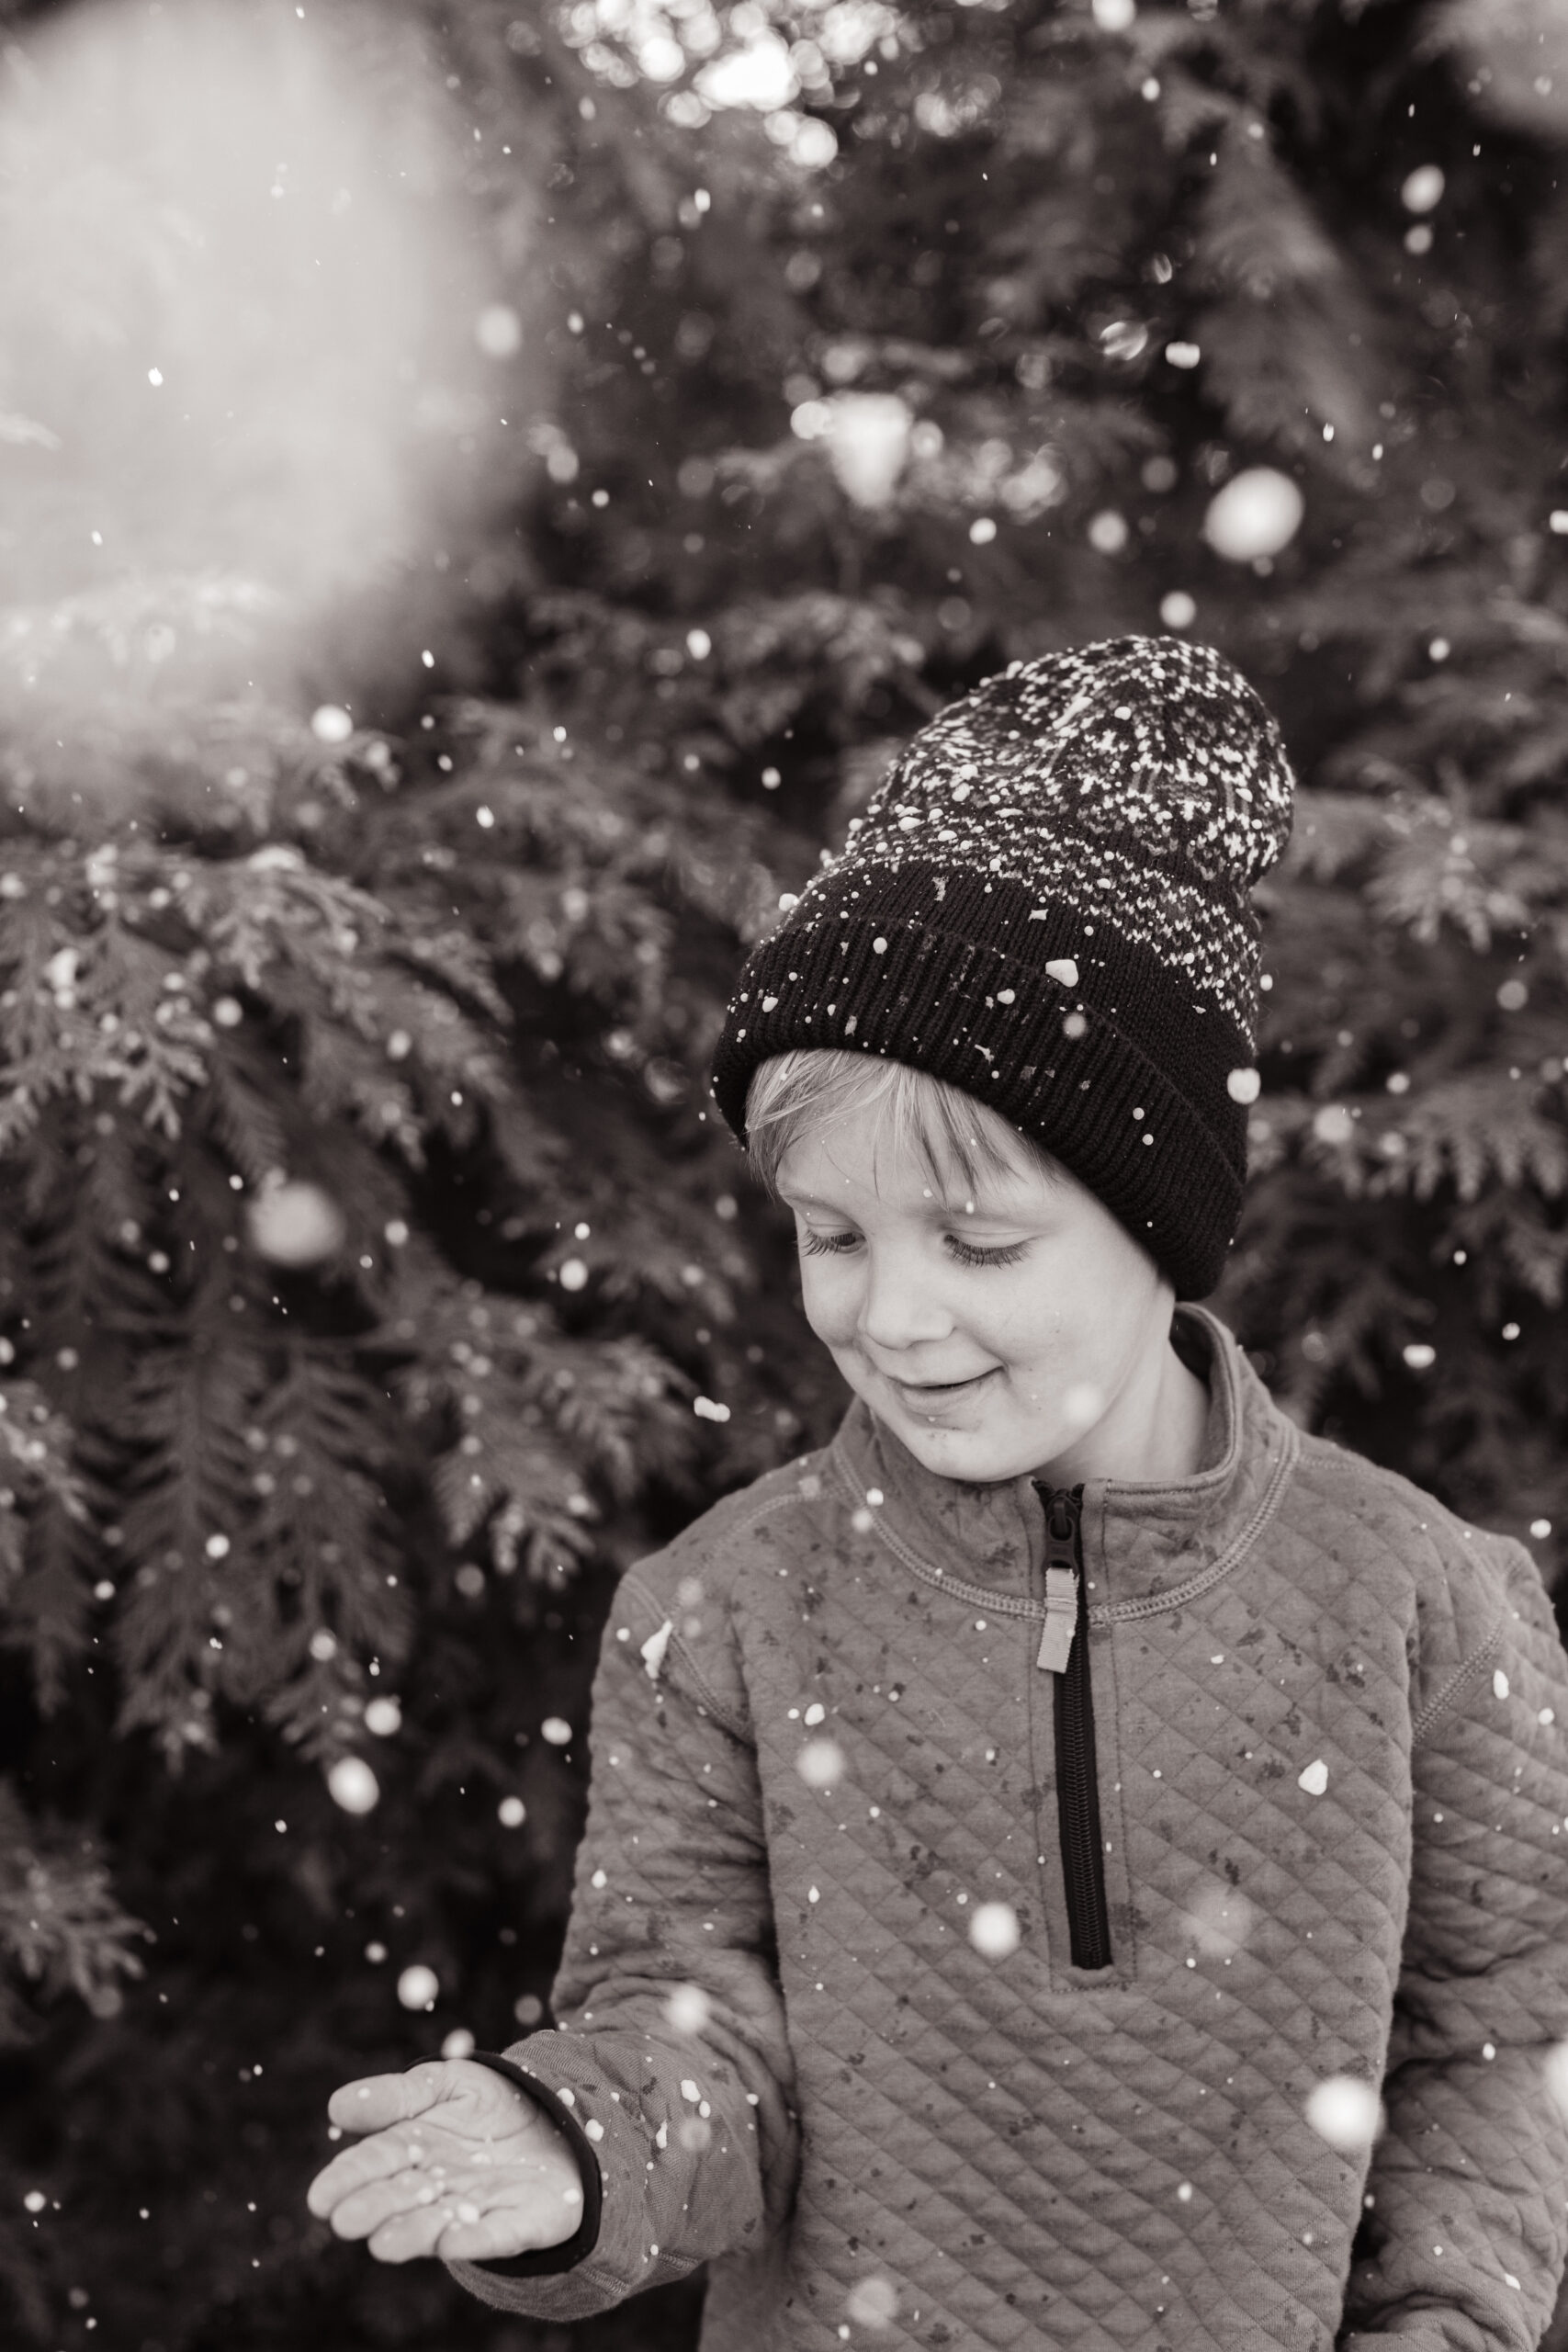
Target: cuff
<point>550,2260</point>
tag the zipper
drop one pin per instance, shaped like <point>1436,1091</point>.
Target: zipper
<point>1064,1650</point>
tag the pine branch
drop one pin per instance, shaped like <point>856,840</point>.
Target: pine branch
<point>1481,1125</point>
<point>520,1417</point>
<point>44,1601</point>
<point>325,1542</point>
<point>273,907</point>
<point>189,1507</point>
<point>246,1110</point>
<point>61,1929</point>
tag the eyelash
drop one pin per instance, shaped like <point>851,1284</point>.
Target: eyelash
<point>817,1245</point>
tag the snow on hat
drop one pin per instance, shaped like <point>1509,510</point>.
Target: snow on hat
<point>1047,903</point>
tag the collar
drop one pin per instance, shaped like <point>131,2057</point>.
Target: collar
<point>1145,1545</point>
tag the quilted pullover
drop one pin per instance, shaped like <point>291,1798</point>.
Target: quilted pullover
<point>1329,1730</point>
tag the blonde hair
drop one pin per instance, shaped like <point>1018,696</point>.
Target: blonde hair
<point>953,1135</point>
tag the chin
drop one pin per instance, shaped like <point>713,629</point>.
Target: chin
<point>960,1454</point>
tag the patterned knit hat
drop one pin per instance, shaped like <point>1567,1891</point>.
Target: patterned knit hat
<point>1047,903</point>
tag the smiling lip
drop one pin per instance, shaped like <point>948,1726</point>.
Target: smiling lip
<point>942,1387</point>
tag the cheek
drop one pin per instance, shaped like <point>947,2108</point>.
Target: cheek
<point>1053,1315</point>
<point>1037,1300</point>
<point>1091,1318</point>
<point>825,1294</point>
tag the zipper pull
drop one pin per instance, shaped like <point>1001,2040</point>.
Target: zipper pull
<point>1061,1580</point>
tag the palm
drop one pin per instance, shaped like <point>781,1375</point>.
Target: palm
<point>454,2161</point>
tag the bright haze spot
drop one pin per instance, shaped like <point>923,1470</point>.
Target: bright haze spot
<point>240,383</point>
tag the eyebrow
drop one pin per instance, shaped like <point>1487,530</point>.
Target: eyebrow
<point>995,1211</point>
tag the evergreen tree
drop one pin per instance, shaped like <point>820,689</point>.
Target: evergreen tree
<point>378,1280</point>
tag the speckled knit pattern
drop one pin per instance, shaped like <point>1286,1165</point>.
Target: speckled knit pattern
<point>1139,778</point>
<point>1048,903</point>
<point>1329,1730</point>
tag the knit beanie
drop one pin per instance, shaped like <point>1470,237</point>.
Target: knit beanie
<point>1047,903</point>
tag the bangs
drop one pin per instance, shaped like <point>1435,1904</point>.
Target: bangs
<point>957,1139</point>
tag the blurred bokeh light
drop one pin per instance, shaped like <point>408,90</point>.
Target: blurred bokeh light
<point>241,360</point>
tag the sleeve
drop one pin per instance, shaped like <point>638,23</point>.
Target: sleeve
<point>1466,2227</point>
<point>670,2051</point>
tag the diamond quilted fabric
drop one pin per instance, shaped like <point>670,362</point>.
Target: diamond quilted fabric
<point>817,2008</point>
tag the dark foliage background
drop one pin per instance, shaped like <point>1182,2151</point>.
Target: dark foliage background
<point>375,1283</point>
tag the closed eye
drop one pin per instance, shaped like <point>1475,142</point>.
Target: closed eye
<point>816,1245</point>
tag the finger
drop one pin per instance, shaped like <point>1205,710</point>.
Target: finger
<point>378,2158</point>
<point>515,2222</point>
<point>376,2100</point>
<point>324,2191</point>
<point>403,2237</point>
<point>377,2202</point>
<point>493,2236</point>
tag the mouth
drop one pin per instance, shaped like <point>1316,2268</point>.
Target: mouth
<point>936,1392</point>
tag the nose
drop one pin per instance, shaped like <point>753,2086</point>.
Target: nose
<point>898,1309</point>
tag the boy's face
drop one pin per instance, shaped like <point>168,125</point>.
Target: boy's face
<point>1041,1307</point>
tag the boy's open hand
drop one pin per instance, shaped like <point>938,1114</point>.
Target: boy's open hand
<point>456,2163</point>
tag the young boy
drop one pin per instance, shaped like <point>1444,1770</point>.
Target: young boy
<point>1075,1863</point>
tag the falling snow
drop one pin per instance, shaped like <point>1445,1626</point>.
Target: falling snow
<point>419,1987</point>
<point>652,1651</point>
<point>1345,2112</point>
<point>820,1763</point>
<point>688,2009</point>
<point>994,1930</point>
<point>351,1784</point>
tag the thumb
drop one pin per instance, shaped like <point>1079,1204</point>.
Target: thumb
<point>377,2100</point>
